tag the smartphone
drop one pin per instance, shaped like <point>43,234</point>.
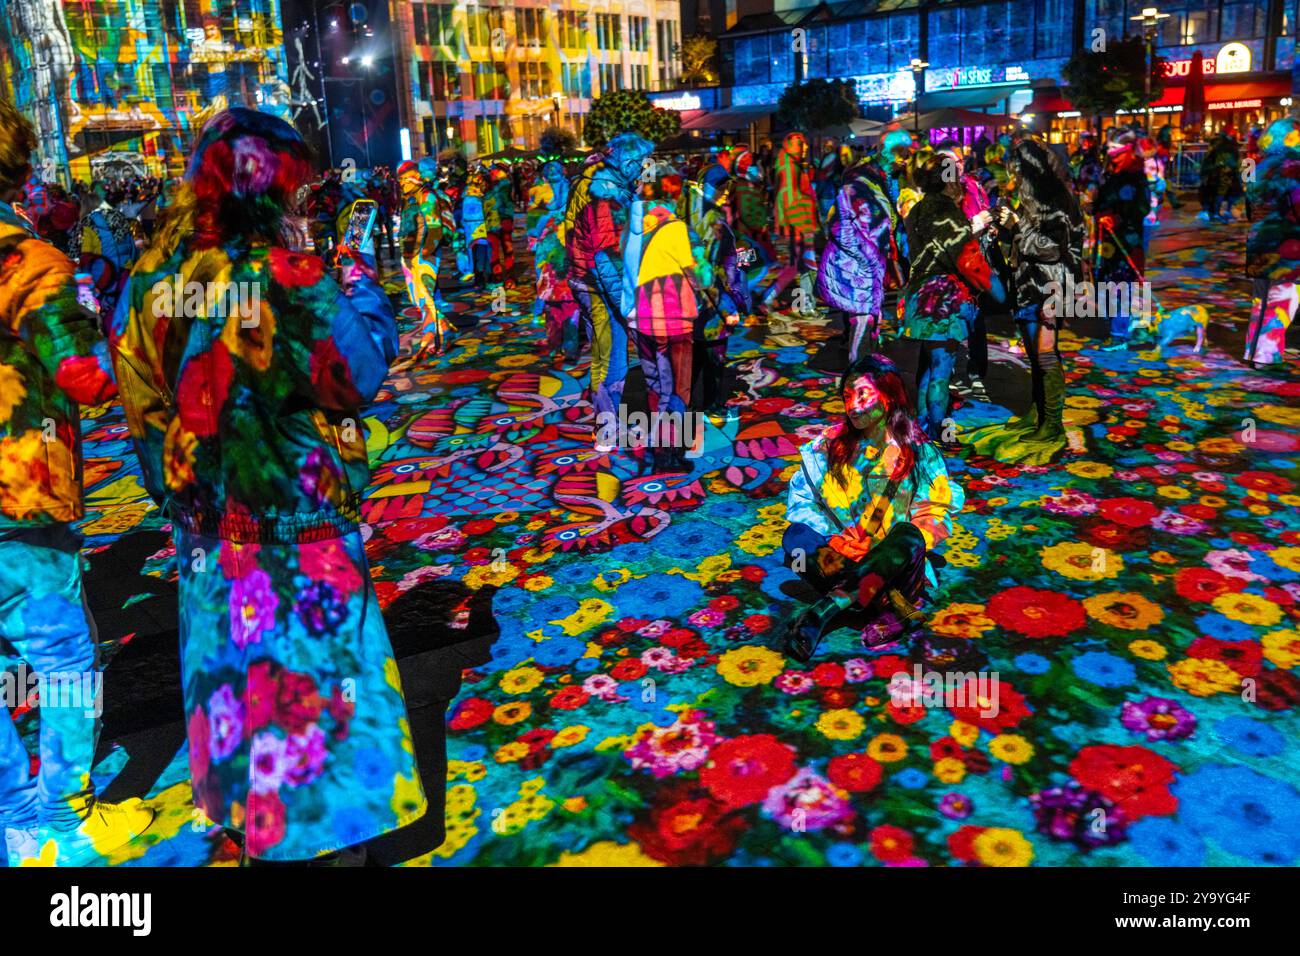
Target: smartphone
<point>361,223</point>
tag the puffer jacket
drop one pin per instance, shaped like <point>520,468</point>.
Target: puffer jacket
<point>52,358</point>
<point>247,420</point>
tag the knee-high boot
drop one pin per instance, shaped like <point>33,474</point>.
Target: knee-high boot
<point>1051,423</point>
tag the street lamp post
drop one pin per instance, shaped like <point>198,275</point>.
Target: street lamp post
<point>918,68</point>
<point>1150,18</point>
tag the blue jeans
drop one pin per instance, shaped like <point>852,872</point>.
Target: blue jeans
<point>932,388</point>
<point>44,618</point>
<point>608,347</point>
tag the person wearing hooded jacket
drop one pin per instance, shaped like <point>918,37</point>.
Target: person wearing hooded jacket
<point>248,430</point>
<point>1273,244</point>
<point>555,302</point>
<point>661,304</point>
<point>851,273</point>
<point>593,223</point>
<point>1121,207</point>
<point>796,221</point>
<point>724,285</point>
<point>1046,235</point>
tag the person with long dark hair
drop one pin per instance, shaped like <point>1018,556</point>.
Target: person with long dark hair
<point>949,272</point>
<point>869,502</point>
<point>246,416</point>
<point>1046,237</point>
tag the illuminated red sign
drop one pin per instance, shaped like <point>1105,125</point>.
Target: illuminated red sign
<point>1235,105</point>
<point>1177,68</point>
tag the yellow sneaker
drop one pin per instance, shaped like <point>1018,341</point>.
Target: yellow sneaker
<point>108,827</point>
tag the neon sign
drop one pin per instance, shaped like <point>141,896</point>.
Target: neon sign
<point>683,101</point>
<point>1235,105</point>
<point>1231,58</point>
<point>975,76</point>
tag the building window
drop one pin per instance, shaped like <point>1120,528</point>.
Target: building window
<point>421,29</point>
<point>425,73</point>
<point>765,58</point>
<point>442,25</point>
<point>445,80</point>
<point>638,33</point>
<point>640,76</point>
<point>426,134</point>
<point>490,82</point>
<point>576,80</point>
<point>1053,25</point>
<point>488,133</point>
<point>482,26</point>
<point>1001,32</point>
<point>666,42</point>
<point>529,29</point>
<point>611,77</point>
<point>1190,21</point>
<point>609,31</point>
<point>1244,20</point>
<point>534,80</point>
<point>573,30</point>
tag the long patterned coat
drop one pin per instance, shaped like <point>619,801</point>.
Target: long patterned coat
<point>948,271</point>
<point>248,427</point>
<point>796,203</point>
<point>851,274</point>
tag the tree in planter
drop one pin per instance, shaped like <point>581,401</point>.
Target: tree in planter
<point>628,111</point>
<point>817,104</point>
<point>1113,78</point>
<point>697,55</point>
<point>557,141</point>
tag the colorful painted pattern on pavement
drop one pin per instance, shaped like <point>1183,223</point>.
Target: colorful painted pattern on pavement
<point>1135,606</point>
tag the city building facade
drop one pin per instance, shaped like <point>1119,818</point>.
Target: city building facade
<point>122,87</point>
<point>487,76</point>
<point>1003,57</point>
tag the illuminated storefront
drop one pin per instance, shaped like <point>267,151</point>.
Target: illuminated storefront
<point>1245,67</point>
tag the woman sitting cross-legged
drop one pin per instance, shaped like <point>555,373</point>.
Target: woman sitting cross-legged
<point>870,501</point>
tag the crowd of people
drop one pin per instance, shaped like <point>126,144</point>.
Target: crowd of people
<point>246,426</point>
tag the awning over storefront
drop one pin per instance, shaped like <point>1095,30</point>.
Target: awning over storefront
<point>973,98</point>
<point>732,118</point>
<point>1242,95</point>
<point>953,119</point>
<point>1055,100</point>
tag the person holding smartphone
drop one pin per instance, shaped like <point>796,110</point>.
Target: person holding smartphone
<point>247,423</point>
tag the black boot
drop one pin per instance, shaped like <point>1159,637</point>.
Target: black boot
<point>807,630</point>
